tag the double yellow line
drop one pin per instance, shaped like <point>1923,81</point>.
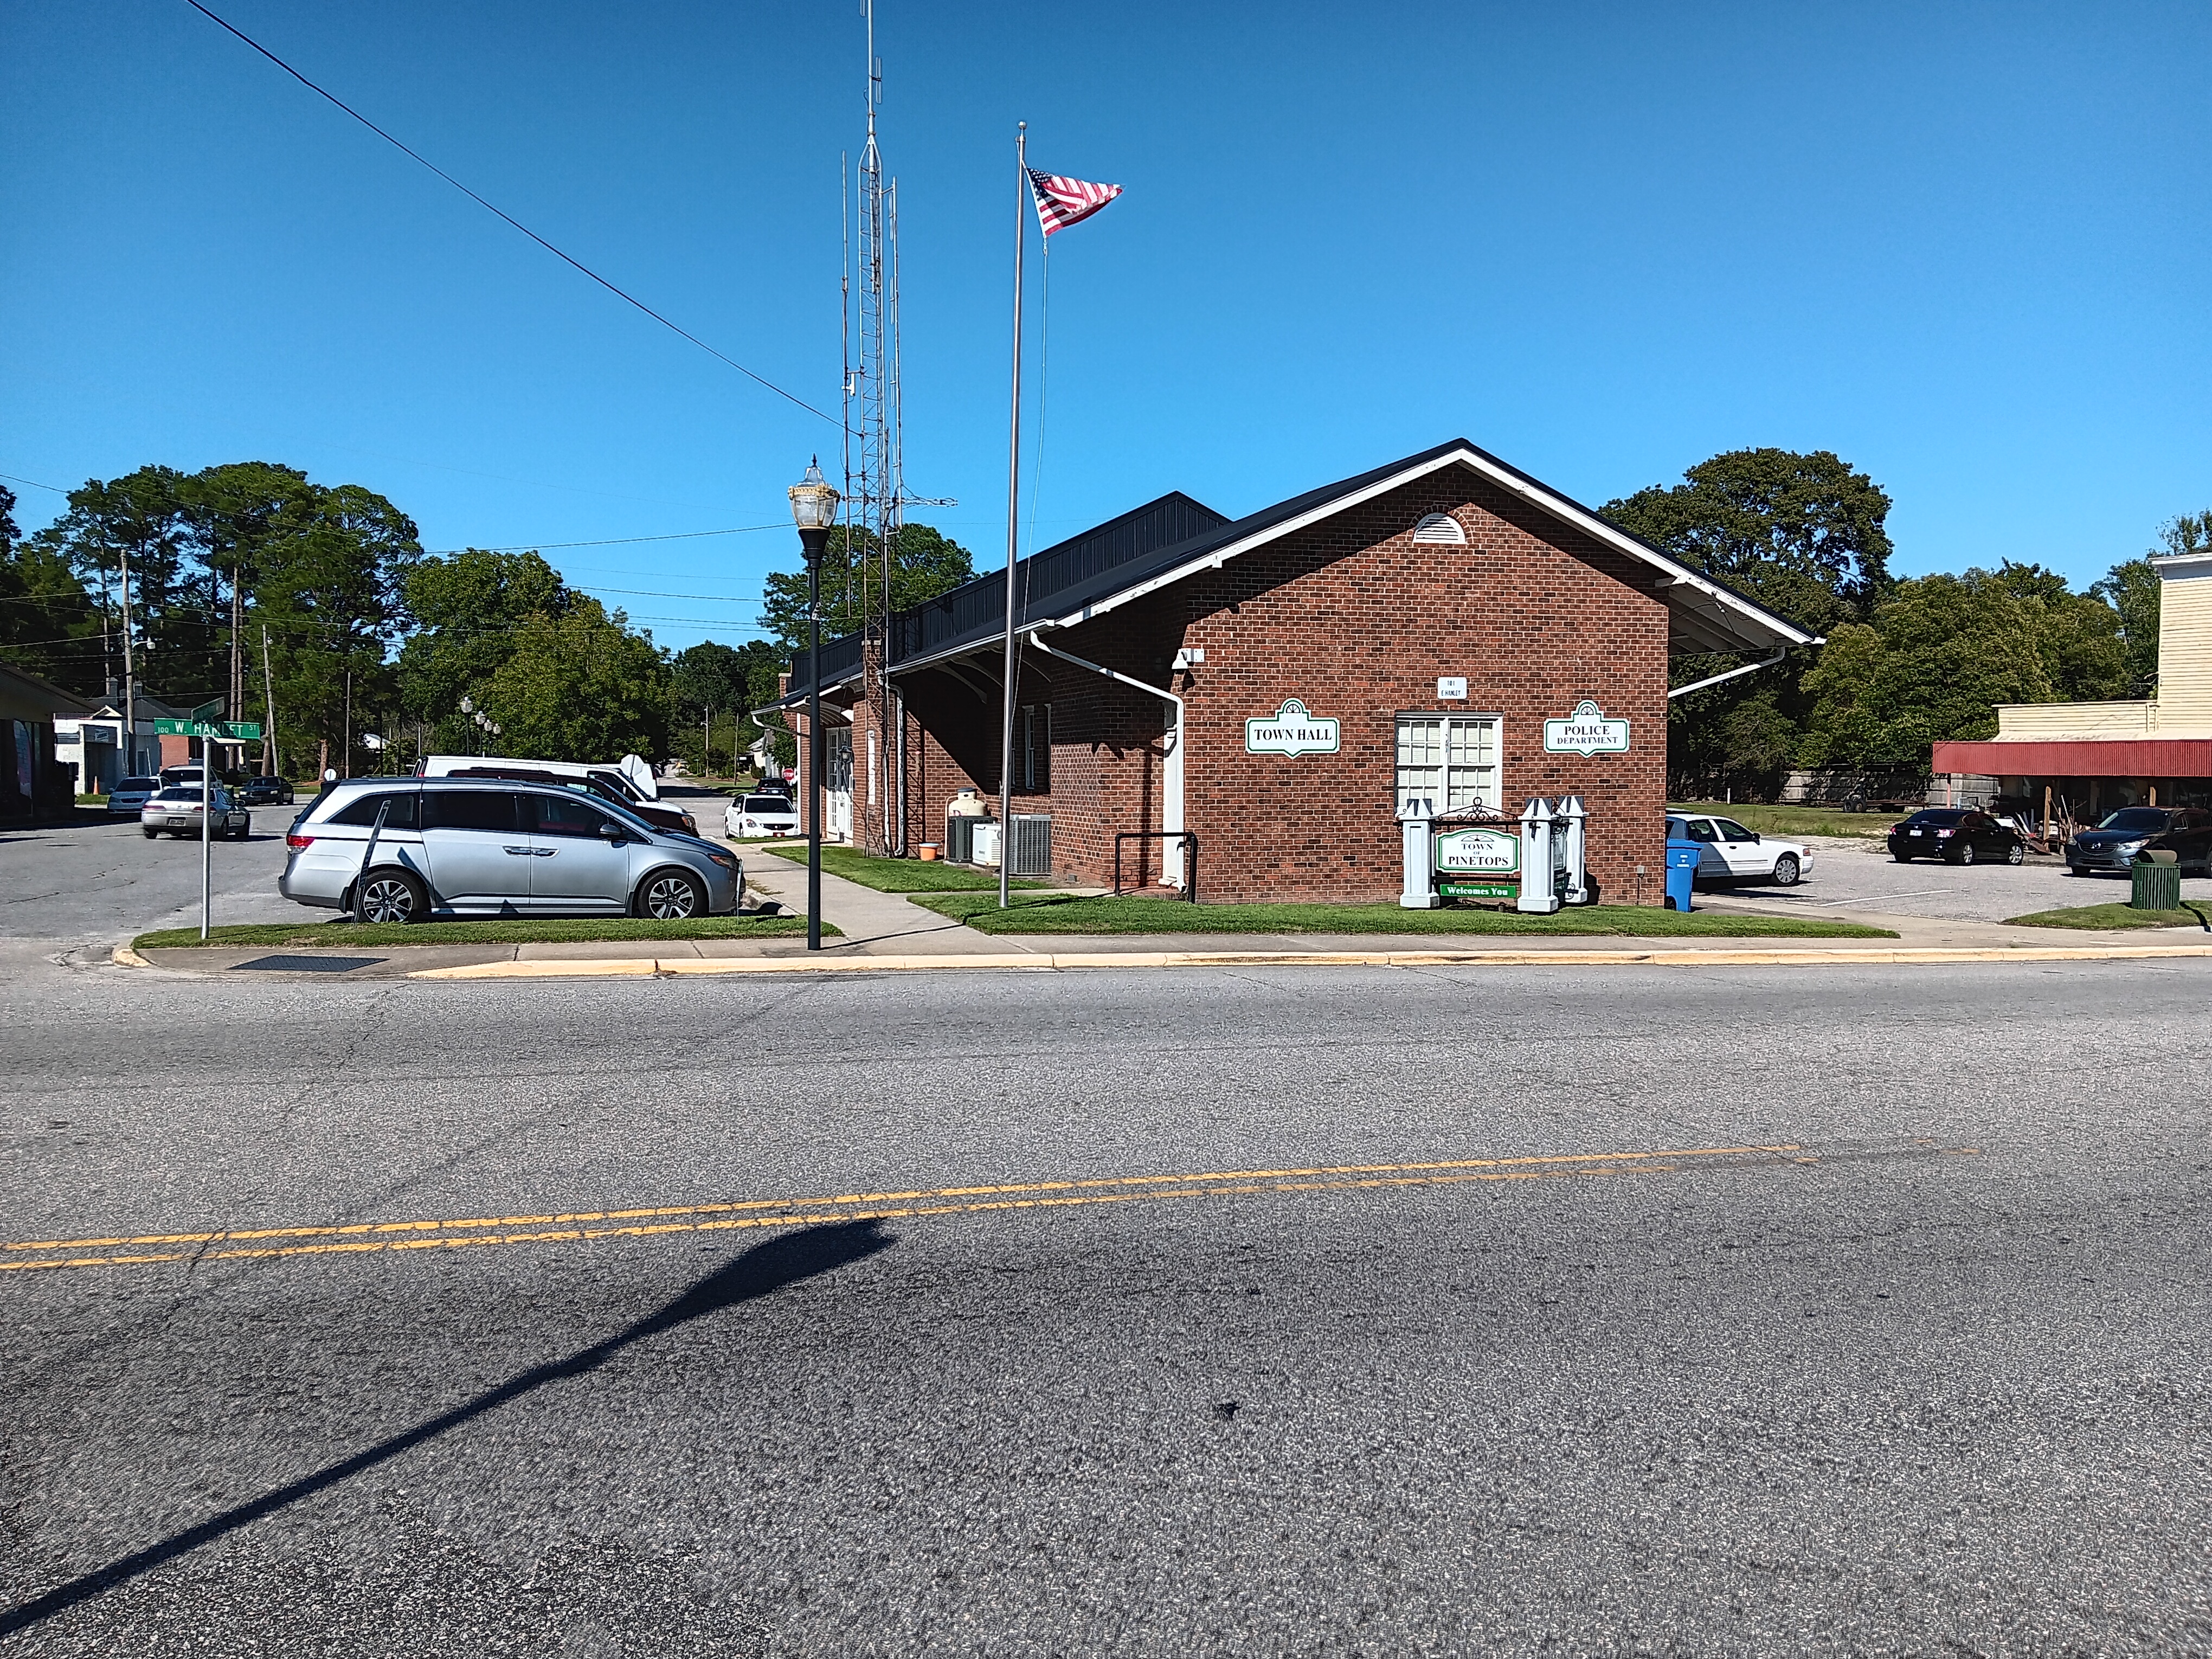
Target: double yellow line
<point>579,1226</point>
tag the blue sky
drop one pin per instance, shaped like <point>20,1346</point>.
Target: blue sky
<point>1966,247</point>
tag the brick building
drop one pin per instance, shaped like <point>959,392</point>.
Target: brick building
<point>1274,685</point>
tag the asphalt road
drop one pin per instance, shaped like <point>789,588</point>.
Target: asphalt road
<point>1858,874</point>
<point>1935,1377</point>
<point>99,882</point>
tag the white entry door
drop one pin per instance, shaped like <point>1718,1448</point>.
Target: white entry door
<point>838,785</point>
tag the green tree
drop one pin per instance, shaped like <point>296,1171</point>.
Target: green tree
<point>1940,655</point>
<point>137,521</point>
<point>2131,588</point>
<point>49,625</point>
<point>468,609</point>
<point>2077,635</point>
<point>579,686</point>
<point>924,564</point>
<point>1805,535</point>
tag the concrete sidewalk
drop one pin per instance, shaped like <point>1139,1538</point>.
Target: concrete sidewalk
<point>884,931</point>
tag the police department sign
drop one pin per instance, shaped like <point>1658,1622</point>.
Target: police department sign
<point>1586,731</point>
<point>1290,731</point>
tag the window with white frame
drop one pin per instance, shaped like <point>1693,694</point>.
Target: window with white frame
<point>1449,759</point>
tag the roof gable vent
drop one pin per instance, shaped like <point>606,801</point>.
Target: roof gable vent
<point>1440,528</point>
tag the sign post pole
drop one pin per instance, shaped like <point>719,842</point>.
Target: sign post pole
<point>207,830</point>
<point>1415,824</point>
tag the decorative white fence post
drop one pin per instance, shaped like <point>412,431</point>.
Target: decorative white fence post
<point>1577,877</point>
<point>1419,891</point>
<point>1536,893</point>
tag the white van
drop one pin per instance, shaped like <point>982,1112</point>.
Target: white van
<point>628,783</point>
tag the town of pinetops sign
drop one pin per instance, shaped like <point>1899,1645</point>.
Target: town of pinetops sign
<point>1291,731</point>
<point>1479,863</point>
<point>1586,731</point>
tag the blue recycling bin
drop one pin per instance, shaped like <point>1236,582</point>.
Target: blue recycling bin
<point>1681,872</point>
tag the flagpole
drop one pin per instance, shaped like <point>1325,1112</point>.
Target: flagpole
<point>1013,521</point>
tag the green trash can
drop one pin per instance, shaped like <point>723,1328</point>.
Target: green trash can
<point>2157,882</point>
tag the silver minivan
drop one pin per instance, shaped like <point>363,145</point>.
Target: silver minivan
<point>476,848</point>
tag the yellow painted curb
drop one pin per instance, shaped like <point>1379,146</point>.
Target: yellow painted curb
<point>645,967</point>
<point>125,957</point>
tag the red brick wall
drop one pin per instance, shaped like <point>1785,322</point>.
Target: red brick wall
<point>1357,622</point>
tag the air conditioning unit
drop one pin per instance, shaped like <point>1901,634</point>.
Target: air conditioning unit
<point>960,837</point>
<point>1032,845</point>
<point>985,846</point>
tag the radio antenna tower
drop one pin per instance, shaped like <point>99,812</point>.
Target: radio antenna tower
<point>874,486</point>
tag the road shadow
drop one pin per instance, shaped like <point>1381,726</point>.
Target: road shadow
<point>762,1271</point>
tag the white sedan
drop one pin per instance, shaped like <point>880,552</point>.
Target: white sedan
<point>1727,852</point>
<point>749,818</point>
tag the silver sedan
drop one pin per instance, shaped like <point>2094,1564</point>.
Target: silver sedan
<point>177,811</point>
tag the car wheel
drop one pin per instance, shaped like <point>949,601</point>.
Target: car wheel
<point>390,896</point>
<point>1964,854</point>
<point>2016,854</point>
<point>1902,857</point>
<point>1786,870</point>
<point>672,896</point>
<point>152,835</point>
<point>2075,870</point>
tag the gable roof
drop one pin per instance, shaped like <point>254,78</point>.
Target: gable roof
<point>1059,590</point>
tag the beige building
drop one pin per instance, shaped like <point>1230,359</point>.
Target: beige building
<point>2096,756</point>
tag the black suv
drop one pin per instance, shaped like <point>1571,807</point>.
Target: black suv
<point>1956,835</point>
<point>2185,831</point>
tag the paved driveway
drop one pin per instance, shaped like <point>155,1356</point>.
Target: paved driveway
<point>1853,873</point>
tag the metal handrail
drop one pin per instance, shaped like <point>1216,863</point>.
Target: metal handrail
<point>1189,839</point>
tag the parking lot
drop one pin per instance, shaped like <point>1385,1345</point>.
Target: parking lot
<point>1852,873</point>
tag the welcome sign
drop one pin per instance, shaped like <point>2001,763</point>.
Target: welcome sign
<point>1290,730</point>
<point>1479,853</point>
<point>1586,731</point>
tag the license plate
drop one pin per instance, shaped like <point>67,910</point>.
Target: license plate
<point>1912,832</point>
<point>177,824</point>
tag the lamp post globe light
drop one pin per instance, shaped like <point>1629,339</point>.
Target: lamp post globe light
<point>813,509</point>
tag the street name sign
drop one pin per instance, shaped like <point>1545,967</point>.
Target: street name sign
<point>229,731</point>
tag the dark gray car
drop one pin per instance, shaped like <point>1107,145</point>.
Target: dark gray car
<point>463,847</point>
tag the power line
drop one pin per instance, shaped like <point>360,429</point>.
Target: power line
<point>33,483</point>
<point>610,541</point>
<point>517,224</point>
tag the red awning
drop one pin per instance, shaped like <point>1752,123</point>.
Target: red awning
<point>2081,758</point>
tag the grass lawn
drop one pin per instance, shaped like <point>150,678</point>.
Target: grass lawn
<point>1055,914</point>
<point>2193,912</point>
<point>898,875</point>
<point>491,930</point>
<point>1787,821</point>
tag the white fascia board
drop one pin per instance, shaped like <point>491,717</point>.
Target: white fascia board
<point>1779,632</point>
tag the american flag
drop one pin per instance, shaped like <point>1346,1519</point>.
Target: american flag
<point>1064,202</point>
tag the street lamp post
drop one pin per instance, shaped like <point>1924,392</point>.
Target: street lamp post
<point>813,508</point>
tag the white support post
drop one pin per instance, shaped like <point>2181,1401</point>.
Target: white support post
<point>1577,876</point>
<point>1536,895</point>
<point>1415,824</point>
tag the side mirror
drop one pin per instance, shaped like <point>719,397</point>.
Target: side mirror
<point>611,832</point>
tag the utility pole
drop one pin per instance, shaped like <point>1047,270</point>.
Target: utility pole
<point>269,708</point>
<point>345,762</point>
<point>130,677</point>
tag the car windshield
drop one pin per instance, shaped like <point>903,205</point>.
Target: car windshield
<point>767,803</point>
<point>181,793</point>
<point>2152,819</point>
<point>140,783</point>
